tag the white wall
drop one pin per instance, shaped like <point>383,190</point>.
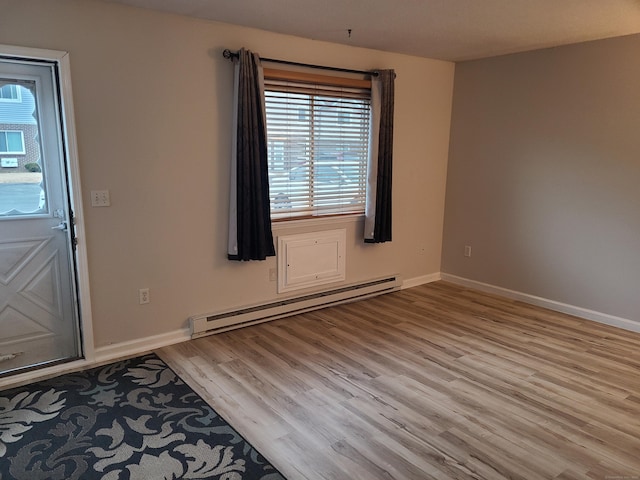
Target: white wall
<point>153,107</point>
<point>544,170</point>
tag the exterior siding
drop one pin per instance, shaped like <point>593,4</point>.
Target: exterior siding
<point>19,115</point>
<point>18,112</point>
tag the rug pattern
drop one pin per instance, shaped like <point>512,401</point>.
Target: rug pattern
<point>134,419</point>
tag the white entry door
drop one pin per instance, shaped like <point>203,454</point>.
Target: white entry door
<point>39,322</point>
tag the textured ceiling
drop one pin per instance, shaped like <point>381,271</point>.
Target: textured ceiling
<point>444,29</point>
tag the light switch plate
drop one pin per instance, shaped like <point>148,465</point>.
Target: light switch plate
<point>100,198</point>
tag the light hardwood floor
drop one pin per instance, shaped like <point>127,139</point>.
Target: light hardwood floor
<point>436,381</point>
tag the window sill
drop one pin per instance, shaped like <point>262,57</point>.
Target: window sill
<point>283,225</point>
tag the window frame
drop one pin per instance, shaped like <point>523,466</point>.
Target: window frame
<point>13,152</point>
<point>18,90</point>
<point>305,82</point>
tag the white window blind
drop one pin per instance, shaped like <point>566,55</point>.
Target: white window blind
<point>318,142</point>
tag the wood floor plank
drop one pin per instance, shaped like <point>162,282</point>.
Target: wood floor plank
<point>433,382</point>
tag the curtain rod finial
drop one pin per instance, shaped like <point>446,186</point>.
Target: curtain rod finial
<point>228,54</point>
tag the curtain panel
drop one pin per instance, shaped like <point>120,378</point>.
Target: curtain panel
<point>377,224</point>
<point>250,235</point>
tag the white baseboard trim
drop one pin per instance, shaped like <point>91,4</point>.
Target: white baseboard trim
<point>587,314</point>
<point>140,345</point>
<point>417,281</point>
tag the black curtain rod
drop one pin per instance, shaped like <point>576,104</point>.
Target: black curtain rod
<point>229,55</point>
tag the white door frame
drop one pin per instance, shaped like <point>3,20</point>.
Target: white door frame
<point>73,181</point>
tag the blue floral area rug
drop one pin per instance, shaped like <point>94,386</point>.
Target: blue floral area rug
<point>135,419</point>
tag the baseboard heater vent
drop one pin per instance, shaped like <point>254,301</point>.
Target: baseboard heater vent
<point>202,325</point>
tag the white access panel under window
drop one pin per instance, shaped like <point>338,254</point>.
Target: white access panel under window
<point>311,259</point>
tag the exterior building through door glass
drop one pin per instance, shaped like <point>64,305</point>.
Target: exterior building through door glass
<point>38,307</point>
<point>21,186</point>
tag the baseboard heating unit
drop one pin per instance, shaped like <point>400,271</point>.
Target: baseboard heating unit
<point>208,324</point>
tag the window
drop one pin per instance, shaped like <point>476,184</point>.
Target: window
<point>318,143</point>
<point>10,93</point>
<point>11,142</point>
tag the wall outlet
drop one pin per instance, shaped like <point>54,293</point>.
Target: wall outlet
<point>467,250</point>
<point>273,275</point>
<point>100,198</point>
<point>143,296</point>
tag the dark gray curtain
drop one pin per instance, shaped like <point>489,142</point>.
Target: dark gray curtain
<point>250,235</point>
<point>380,173</point>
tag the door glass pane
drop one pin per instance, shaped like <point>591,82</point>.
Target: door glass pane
<point>22,189</point>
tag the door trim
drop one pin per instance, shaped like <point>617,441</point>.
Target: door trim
<point>61,59</point>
